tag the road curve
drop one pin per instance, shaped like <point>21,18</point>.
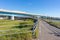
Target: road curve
<point>48,32</point>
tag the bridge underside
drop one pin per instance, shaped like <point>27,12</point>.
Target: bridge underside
<point>14,16</point>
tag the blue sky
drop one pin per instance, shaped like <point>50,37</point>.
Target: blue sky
<point>43,7</point>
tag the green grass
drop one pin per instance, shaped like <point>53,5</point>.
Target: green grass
<point>56,24</point>
<point>53,23</point>
<point>17,30</point>
<point>8,24</point>
<point>15,26</point>
<point>21,36</point>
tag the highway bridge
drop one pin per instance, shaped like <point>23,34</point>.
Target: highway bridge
<point>10,14</point>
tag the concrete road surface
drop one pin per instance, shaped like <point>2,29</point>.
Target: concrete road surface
<point>48,32</point>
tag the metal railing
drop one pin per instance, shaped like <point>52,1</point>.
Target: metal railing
<point>34,27</point>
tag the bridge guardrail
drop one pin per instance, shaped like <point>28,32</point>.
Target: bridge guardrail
<point>34,27</point>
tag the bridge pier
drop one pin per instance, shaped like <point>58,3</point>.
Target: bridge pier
<point>12,17</point>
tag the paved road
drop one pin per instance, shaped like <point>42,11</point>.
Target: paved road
<point>48,32</point>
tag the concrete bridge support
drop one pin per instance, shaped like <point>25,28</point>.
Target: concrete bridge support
<point>12,17</point>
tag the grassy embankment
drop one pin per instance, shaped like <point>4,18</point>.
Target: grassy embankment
<point>53,23</point>
<point>16,30</point>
